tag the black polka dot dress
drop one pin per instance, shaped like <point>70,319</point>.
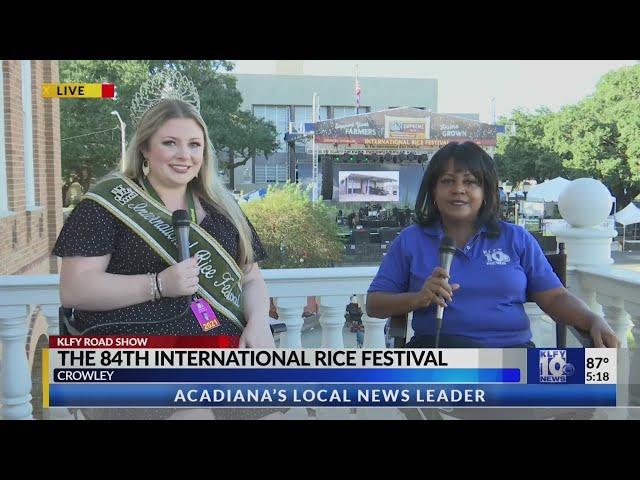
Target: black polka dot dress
<point>92,231</point>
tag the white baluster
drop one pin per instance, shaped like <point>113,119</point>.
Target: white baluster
<point>51,313</point>
<point>588,296</point>
<point>15,386</point>
<point>332,320</point>
<point>616,316</point>
<point>290,312</point>
<point>633,309</point>
<point>373,328</point>
<point>542,332</point>
<point>618,320</point>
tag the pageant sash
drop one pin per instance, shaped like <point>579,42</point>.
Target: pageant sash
<point>220,281</point>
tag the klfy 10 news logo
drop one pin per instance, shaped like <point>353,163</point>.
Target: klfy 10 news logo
<point>553,366</point>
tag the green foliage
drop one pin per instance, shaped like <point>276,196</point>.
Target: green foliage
<point>80,119</point>
<point>295,232</point>
<point>598,137</point>
<point>231,130</point>
<point>525,155</point>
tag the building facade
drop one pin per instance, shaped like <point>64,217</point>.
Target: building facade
<point>30,190</point>
<point>30,168</point>
<point>286,100</point>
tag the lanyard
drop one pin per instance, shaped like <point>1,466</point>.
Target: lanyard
<point>190,204</point>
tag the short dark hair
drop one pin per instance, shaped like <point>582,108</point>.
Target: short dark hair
<point>465,156</point>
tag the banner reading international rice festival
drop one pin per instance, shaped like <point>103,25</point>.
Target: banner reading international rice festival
<point>410,128</point>
<point>176,372</point>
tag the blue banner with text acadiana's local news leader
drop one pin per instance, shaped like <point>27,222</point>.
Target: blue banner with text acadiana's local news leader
<point>329,395</point>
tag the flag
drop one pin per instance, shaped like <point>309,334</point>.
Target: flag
<point>357,93</point>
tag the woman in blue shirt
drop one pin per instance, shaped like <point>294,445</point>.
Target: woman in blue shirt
<point>496,266</point>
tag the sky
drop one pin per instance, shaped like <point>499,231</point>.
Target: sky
<point>468,86</point>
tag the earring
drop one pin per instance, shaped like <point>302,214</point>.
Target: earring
<point>145,167</point>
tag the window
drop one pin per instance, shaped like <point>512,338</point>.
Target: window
<point>29,181</point>
<point>341,112</point>
<point>304,114</point>
<point>279,116</point>
<point>271,173</point>
<point>4,200</point>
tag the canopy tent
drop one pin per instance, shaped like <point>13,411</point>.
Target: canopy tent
<point>516,194</point>
<point>627,216</point>
<point>548,191</point>
<point>255,195</point>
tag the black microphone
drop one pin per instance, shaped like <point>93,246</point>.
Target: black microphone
<point>180,221</point>
<point>447,250</point>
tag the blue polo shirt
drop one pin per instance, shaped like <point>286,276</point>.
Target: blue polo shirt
<point>495,275</point>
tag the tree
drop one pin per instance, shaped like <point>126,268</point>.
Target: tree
<point>247,137</point>
<point>525,155</point>
<point>295,232</point>
<point>233,132</point>
<point>588,143</point>
<point>617,96</point>
<point>90,134</point>
<point>597,137</point>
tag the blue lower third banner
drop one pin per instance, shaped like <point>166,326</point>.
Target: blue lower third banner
<point>288,375</point>
<point>329,395</point>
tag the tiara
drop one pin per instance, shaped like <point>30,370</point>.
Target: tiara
<point>165,85</point>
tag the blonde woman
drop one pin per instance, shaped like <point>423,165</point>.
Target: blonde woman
<point>119,267</point>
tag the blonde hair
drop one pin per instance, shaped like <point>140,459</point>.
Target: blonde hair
<point>207,186</point>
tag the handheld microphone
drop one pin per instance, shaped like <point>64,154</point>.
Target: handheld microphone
<point>447,250</point>
<point>180,221</point>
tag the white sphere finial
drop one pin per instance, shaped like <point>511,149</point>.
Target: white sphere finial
<point>585,202</point>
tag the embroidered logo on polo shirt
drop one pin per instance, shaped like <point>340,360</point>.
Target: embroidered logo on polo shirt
<point>496,256</point>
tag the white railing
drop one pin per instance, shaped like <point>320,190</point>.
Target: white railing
<point>19,294</point>
<point>613,293</point>
<point>334,287</point>
<point>610,291</point>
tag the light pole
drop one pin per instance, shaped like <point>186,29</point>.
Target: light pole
<point>525,189</point>
<point>507,187</point>
<point>122,143</point>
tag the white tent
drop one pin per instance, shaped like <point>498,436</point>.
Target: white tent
<point>548,191</point>
<point>255,195</point>
<point>628,216</point>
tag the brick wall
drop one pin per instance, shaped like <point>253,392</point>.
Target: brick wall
<point>27,236</point>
